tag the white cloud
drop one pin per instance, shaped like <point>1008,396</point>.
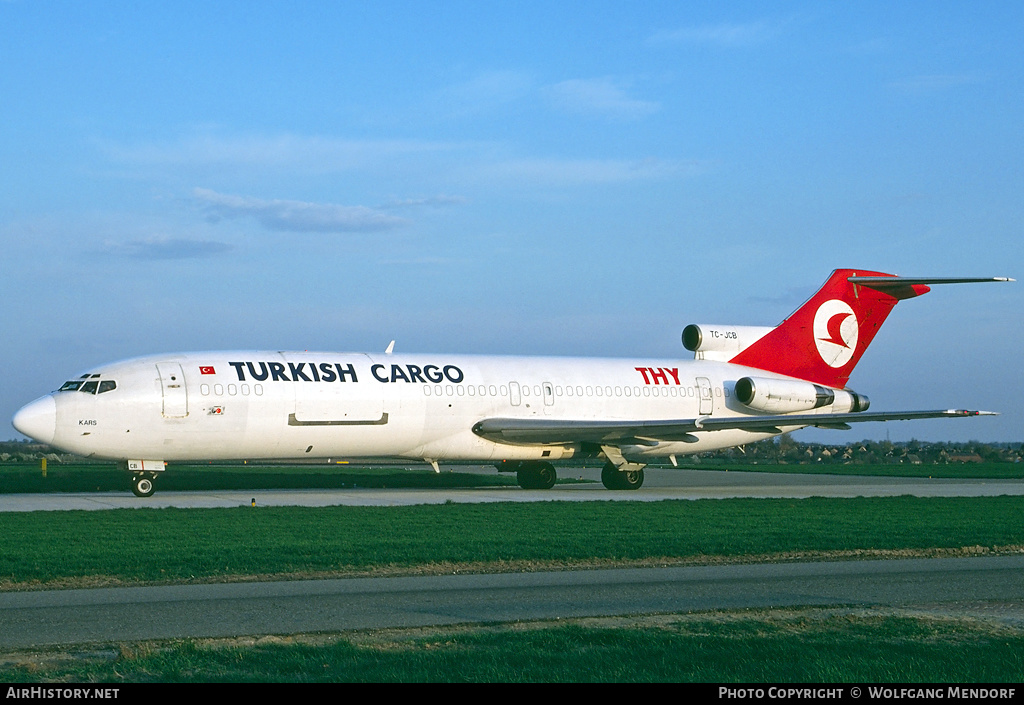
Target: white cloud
<point>164,248</point>
<point>297,216</point>
<point>599,96</point>
<point>428,201</point>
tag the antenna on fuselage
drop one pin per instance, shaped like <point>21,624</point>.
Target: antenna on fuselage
<point>391,348</point>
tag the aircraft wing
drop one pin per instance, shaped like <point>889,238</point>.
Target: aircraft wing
<point>559,431</point>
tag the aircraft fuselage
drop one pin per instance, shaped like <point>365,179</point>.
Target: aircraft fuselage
<point>275,405</point>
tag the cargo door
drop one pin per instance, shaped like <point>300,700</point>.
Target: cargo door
<point>341,401</point>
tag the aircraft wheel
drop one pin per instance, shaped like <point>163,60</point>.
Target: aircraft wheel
<point>632,479</point>
<point>536,476</point>
<point>525,479</point>
<point>610,477</point>
<point>615,479</point>
<point>142,486</point>
<point>546,476</point>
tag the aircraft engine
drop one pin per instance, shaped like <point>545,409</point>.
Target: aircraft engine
<point>721,343</point>
<point>782,396</point>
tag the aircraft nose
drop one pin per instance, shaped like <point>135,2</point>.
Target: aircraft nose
<point>38,419</point>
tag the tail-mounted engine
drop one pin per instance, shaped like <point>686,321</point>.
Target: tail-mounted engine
<point>782,396</point>
<point>721,343</point>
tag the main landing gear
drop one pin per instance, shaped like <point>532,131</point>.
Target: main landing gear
<point>615,479</point>
<point>536,475</point>
<point>530,474</point>
<point>540,475</point>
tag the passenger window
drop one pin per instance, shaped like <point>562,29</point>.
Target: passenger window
<point>107,385</point>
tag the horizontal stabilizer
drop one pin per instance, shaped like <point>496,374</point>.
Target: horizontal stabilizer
<point>890,282</point>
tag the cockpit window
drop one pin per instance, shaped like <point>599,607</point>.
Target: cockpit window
<point>93,386</point>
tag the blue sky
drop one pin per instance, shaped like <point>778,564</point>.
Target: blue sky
<point>576,178</point>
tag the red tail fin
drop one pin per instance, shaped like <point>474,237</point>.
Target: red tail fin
<point>822,341</point>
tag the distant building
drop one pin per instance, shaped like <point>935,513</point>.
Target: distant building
<point>965,458</point>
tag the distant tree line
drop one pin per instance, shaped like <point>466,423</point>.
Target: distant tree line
<point>785,450</point>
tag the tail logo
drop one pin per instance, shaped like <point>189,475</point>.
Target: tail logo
<point>835,332</point>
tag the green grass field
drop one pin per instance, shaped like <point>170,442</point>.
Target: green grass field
<point>131,546</point>
<point>795,646</point>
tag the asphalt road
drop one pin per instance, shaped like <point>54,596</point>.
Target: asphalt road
<point>115,614</point>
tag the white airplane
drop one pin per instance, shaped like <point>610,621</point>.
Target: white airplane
<point>745,384</point>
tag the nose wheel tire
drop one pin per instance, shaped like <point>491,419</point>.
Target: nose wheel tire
<point>142,486</point>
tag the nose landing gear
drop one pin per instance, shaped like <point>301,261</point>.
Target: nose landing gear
<point>142,485</point>
<point>144,473</point>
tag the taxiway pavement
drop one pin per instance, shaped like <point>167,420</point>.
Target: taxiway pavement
<point>288,607</point>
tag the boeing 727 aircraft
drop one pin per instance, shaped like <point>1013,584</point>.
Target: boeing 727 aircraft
<point>520,413</point>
